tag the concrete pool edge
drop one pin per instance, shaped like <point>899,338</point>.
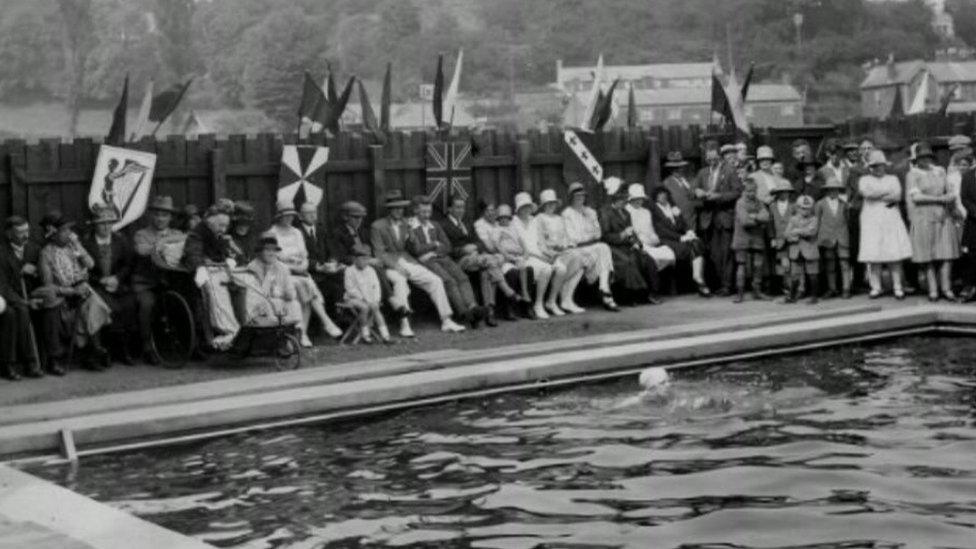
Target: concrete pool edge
<point>99,431</point>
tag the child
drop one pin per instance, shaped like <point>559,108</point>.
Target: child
<point>749,240</point>
<point>780,212</point>
<point>833,237</point>
<point>363,294</point>
<point>801,233</point>
<point>507,241</point>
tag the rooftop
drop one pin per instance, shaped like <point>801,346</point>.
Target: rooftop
<point>904,71</point>
<point>634,72</point>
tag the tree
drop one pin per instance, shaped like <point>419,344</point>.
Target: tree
<point>76,42</point>
<point>28,36</point>
<point>964,19</point>
<point>174,21</point>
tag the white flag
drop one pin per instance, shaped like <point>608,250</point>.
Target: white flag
<point>590,105</point>
<point>142,119</point>
<point>918,103</point>
<point>450,98</point>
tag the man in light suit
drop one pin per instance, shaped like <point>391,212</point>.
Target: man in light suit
<point>681,190</point>
<point>389,237</point>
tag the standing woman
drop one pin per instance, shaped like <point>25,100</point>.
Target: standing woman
<point>884,239</point>
<point>967,193</point>
<point>583,227</point>
<point>935,238</point>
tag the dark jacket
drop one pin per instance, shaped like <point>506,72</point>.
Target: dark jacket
<point>420,243</point>
<point>123,261</point>
<point>460,235</point>
<point>341,242</point>
<point>203,246</point>
<point>317,246</point>
<point>11,268</point>
<point>967,193</point>
<point>720,211</point>
<point>669,232</point>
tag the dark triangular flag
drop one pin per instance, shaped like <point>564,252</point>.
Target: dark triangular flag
<point>720,102</point>
<point>604,107</point>
<point>897,109</point>
<point>595,115</point>
<point>116,134</point>
<point>312,94</point>
<point>330,90</point>
<point>438,101</point>
<point>946,99</point>
<point>633,120</point>
<point>339,106</point>
<point>747,82</point>
<point>166,102</point>
<point>385,99</point>
<point>369,117</point>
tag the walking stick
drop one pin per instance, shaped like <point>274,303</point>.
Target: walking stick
<point>30,328</point>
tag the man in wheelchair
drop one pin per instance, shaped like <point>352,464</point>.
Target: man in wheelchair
<point>270,298</point>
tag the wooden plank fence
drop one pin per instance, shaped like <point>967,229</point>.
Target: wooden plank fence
<point>51,174</point>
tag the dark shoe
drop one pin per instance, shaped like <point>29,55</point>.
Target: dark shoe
<point>967,294</point>
<point>508,312</point>
<point>653,300</point>
<point>54,369</point>
<point>900,296</point>
<point>933,298</point>
<point>33,372</point>
<point>723,292</point>
<point>126,358</point>
<point>473,318</point>
<point>609,304</point>
<point>846,294</point>
<point>830,294</point>
<point>759,296</point>
<point>490,319</point>
<point>704,291</point>
<point>8,372</point>
<point>813,300</point>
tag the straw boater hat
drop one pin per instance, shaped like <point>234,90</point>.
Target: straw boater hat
<point>958,142</point>
<point>104,215</point>
<point>765,152</point>
<point>804,202</point>
<point>162,204</point>
<point>781,186</point>
<point>522,200</point>
<point>353,209</point>
<point>833,183</point>
<point>284,207</point>
<point>851,146</point>
<point>547,196</point>
<point>394,199</point>
<point>504,211</point>
<point>268,240</point>
<point>574,188</point>
<point>675,160</point>
<point>876,157</point>
<point>728,148</point>
<point>636,192</point>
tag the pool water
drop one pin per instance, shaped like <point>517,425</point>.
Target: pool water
<point>851,447</point>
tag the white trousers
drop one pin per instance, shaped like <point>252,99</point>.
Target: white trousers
<point>421,276</point>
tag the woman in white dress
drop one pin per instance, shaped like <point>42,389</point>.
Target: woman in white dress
<point>583,228</point>
<point>556,247</point>
<point>884,238</point>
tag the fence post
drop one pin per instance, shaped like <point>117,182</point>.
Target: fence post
<point>376,167</point>
<point>218,174</point>
<point>18,187</point>
<point>522,156</point>
<point>653,177</point>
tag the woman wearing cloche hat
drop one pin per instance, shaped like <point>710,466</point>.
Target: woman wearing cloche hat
<point>934,233</point>
<point>884,239</point>
<point>583,228</point>
<point>557,248</point>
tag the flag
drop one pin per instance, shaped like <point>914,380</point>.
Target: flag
<point>579,158</point>
<point>947,98</point>
<point>633,120</point>
<point>604,110</point>
<point>339,106</point>
<point>385,99</point>
<point>142,119</point>
<point>720,101</point>
<point>330,86</point>
<point>897,107</point>
<point>591,123</point>
<point>593,97</point>
<point>312,95</point>
<point>299,165</point>
<point>921,95</point>
<point>122,182</point>
<point>448,172</point>
<point>166,102</point>
<point>116,133</point>
<point>450,98</point>
<point>369,117</point>
<point>438,101</point>
<point>194,126</point>
<point>747,82</point>
<point>733,93</point>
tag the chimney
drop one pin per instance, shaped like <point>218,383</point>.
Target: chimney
<point>892,72</point>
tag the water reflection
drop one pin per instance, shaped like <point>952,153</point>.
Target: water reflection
<point>853,447</point>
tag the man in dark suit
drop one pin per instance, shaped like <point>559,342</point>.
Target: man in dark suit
<point>18,263</point>
<point>473,257</point>
<point>429,244</point>
<point>111,277</point>
<point>681,190</point>
<point>719,211</point>
<point>322,265</point>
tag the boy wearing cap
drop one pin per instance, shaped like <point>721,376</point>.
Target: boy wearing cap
<point>363,294</point>
<point>833,237</point>
<point>801,234</point>
<point>749,241</point>
<point>780,212</point>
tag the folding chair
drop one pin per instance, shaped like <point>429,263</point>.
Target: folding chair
<point>353,334</point>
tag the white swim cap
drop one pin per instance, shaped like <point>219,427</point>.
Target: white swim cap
<point>653,377</point>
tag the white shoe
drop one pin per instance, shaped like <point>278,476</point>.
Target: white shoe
<point>450,326</point>
<point>306,342</point>
<point>385,334</point>
<point>572,308</point>
<point>554,309</point>
<point>333,331</point>
<point>405,330</point>
<point>367,337</point>
<point>540,312</point>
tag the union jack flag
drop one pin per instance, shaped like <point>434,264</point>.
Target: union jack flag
<point>448,171</point>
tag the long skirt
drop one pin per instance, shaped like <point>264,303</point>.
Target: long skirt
<point>627,268</point>
<point>93,315</point>
<point>219,306</point>
<point>935,236</point>
<point>596,259</point>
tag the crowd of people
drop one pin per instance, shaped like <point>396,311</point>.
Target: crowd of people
<point>742,224</point>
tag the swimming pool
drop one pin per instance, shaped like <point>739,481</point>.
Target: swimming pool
<point>869,446</point>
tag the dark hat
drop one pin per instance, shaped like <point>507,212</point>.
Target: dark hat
<point>924,149</point>
<point>831,145</point>
<point>808,160</point>
<point>191,210</point>
<point>54,220</point>
<point>361,250</point>
<point>675,160</point>
<point>394,199</point>
<point>268,240</point>
<point>575,187</point>
<point>353,209</point>
<point>104,215</point>
<point>243,211</point>
<point>162,204</point>
<point>223,206</point>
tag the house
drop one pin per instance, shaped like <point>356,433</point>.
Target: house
<point>936,79</point>
<point>650,76</point>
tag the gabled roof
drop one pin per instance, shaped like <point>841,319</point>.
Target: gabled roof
<point>636,72</point>
<point>903,72</point>
<point>703,96</point>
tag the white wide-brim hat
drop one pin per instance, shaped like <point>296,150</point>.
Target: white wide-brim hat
<point>547,196</point>
<point>635,191</point>
<point>876,158</point>
<point>522,200</point>
<point>765,153</point>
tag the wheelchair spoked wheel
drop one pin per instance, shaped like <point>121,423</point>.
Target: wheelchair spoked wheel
<point>174,329</point>
<point>288,353</point>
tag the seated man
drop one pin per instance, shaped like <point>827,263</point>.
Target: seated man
<point>111,276</point>
<point>472,256</point>
<point>207,255</point>
<point>390,236</point>
<point>18,260</point>
<point>146,281</point>
<point>430,245</point>
<point>270,298</point>
<point>351,232</point>
<point>242,232</point>
<point>72,309</point>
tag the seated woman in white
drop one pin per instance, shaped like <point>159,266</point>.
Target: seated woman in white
<point>583,228</point>
<point>557,247</point>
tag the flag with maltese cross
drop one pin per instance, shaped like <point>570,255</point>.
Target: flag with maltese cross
<point>300,166</point>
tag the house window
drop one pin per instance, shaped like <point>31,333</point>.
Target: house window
<point>674,114</point>
<point>788,110</point>
<point>877,97</point>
